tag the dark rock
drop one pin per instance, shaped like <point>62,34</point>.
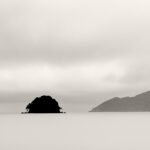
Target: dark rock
<point>43,104</point>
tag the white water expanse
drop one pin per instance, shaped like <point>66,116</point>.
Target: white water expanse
<point>90,131</point>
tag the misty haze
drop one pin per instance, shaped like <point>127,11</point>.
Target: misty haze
<point>74,74</point>
<point>80,52</point>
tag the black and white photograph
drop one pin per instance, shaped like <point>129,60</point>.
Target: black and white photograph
<point>74,75</point>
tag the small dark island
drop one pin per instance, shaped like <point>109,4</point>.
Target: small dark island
<point>43,104</point>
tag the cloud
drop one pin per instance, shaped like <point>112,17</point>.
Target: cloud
<point>66,32</point>
<point>79,49</point>
<point>88,77</point>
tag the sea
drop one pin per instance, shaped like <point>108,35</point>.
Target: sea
<point>75,131</point>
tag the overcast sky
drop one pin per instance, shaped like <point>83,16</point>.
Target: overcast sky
<point>81,52</point>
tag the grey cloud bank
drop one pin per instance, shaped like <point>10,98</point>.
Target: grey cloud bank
<point>64,30</point>
<point>86,51</point>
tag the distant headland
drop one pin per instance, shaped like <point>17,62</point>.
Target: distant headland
<point>139,103</point>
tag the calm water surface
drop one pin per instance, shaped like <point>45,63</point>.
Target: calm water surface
<point>89,131</point>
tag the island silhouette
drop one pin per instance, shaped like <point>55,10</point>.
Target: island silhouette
<point>43,104</point>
